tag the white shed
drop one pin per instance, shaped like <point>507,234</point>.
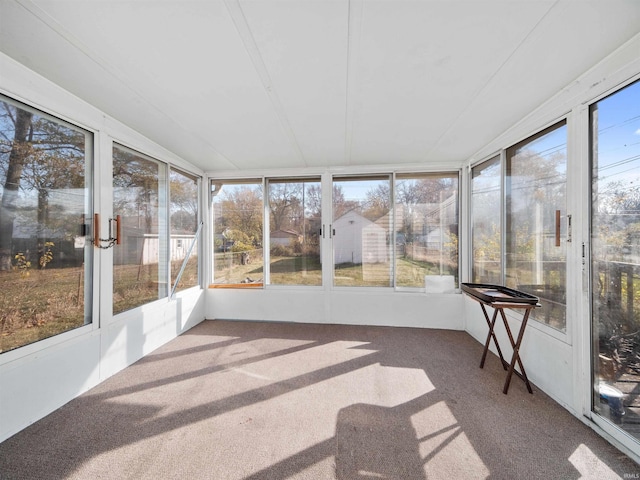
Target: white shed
<point>359,240</point>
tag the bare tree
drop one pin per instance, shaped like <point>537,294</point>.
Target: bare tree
<point>19,153</point>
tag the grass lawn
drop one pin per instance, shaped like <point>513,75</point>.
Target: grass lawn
<point>40,305</point>
<point>302,270</point>
<point>47,302</point>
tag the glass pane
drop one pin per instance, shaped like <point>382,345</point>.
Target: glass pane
<point>536,249</point>
<point>45,260</point>
<point>361,232</point>
<point>139,262</point>
<point>237,236</point>
<point>426,233</point>
<point>486,205</point>
<point>294,226</point>
<point>183,225</point>
<point>615,257</point>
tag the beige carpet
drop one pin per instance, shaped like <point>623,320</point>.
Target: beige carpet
<point>248,400</point>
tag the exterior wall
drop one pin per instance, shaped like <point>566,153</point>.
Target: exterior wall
<point>285,239</point>
<point>359,240</point>
<point>38,378</point>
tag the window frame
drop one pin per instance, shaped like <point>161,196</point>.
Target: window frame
<point>445,173</point>
<point>199,226</point>
<point>267,227</point>
<point>503,153</point>
<point>327,179</point>
<point>91,266</point>
<point>211,182</point>
<point>163,226</point>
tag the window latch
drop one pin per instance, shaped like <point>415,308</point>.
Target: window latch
<point>112,240</point>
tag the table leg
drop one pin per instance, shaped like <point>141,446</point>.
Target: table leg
<point>491,334</point>
<point>516,352</point>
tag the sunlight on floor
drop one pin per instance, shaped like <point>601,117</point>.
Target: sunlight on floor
<point>589,465</point>
<point>441,441</point>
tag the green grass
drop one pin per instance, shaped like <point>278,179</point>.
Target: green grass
<point>301,270</point>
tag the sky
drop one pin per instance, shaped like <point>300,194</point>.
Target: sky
<point>619,136</point>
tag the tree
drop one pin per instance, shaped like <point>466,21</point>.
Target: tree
<point>240,209</point>
<point>378,202</point>
<point>19,153</point>
<point>136,183</point>
<point>39,156</point>
<point>183,191</point>
<point>285,206</point>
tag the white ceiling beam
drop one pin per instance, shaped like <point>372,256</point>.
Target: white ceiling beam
<point>239,20</point>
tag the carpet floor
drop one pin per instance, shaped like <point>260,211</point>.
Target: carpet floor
<point>261,400</point>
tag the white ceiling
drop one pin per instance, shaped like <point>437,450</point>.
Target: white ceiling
<point>256,84</point>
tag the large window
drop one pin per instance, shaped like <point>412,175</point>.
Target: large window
<point>534,207</point>
<point>140,260</point>
<point>535,229</point>
<point>361,231</point>
<point>45,211</point>
<point>183,225</point>
<point>381,230</point>
<point>486,240</point>
<point>615,257</point>
<point>426,233</point>
<point>294,231</point>
<point>238,211</point>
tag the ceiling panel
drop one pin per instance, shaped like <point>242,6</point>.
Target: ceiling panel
<point>304,48</point>
<point>260,84</point>
<point>419,66</point>
<point>565,44</point>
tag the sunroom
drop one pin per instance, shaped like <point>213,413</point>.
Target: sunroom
<point>164,164</point>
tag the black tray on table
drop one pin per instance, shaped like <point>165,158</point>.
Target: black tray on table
<point>490,293</point>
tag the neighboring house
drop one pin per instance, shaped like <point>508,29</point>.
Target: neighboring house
<point>284,237</point>
<point>359,240</point>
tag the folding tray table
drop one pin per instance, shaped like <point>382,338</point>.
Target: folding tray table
<point>499,297</point>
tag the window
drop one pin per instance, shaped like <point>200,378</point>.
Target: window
<point>536,208</point>
<point>615,257</point>
<point>140,198</point>
<point>535,216</point>
<point>361,231</point>
<point>237,231</point>
<point>294,227</point>
<point>486,203</point>
<point>369,248</point>
<point>426,232</point>
<point>45,211</point>
<point>183,226</point>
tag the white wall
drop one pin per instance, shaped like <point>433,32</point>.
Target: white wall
<point>354,306</point>
<point>41,377</point>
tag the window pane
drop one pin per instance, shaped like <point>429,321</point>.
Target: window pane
<point>139,262</point>
<point>45,260</point>
<point>426,233</point>
<point>237,221</point>
<point>183,224</point>
<point>615,257</point>
<point>294,224</point>
<point>486,203</point>
<point>361,231</point>
<point>536,250</point>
